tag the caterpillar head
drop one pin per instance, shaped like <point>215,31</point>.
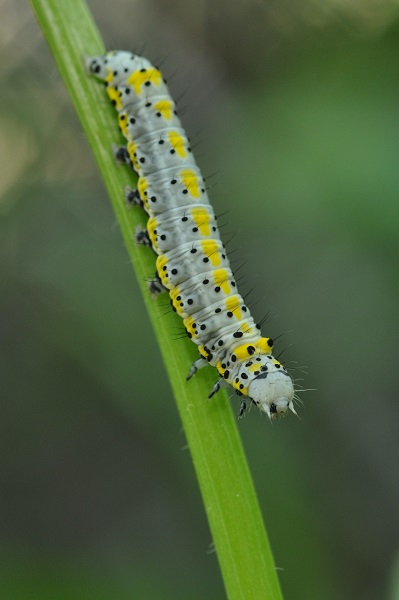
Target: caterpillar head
<point>273,392</point>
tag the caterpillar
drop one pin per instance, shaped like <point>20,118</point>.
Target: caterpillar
<point>192,264</point>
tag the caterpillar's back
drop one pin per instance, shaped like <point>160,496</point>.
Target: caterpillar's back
<point>192,264</point>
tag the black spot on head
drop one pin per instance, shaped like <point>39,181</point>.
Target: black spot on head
<point>262,375</point>
<point>238,334</point>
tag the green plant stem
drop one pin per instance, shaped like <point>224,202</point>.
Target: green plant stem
<point>229,497</point>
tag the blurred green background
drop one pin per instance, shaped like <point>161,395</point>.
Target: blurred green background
<point>295,109</point>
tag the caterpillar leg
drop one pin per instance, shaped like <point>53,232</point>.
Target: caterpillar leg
<point>141,237</point>
<point>132,197</point>
<point>155,287</point>
<point>121,156</point>
<point>197,364</point>
<point>243,408</point>
<point>218,385</point>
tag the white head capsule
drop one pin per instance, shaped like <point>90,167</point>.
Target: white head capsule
<point>273,392</point>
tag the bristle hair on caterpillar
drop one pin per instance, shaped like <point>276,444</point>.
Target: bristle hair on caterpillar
<point>192,263</point>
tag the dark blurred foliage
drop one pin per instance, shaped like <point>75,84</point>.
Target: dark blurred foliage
<point>295,111</point>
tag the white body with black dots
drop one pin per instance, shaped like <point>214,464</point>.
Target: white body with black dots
<point>192,264</point>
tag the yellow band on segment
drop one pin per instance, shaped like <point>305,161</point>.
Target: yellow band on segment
<point>210,249</point>
<point>233,305</point>
<point>189,325</point>
<point>138,79</point>
<point>142,185</point>
<point>221,279</point>
<point>151,227</point>
<point>115,96</point>
<point>190,181</point>
<point>123,121</point>
<point>131,149</point>
<point>161,262</point>
<point>165,107</point>
<point>202,219</point>
<point>174,294</point>
<point>178,143</point>
<point>261,346</point>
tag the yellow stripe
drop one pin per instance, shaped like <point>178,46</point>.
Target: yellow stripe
<point>201,219</point>
<point>138,78</point>
<point>210,249</point>
<point>190,181</point>
<point>178,143</point>
<point>220,277</point>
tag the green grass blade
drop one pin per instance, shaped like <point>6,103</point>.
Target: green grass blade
<point>229,497</point>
